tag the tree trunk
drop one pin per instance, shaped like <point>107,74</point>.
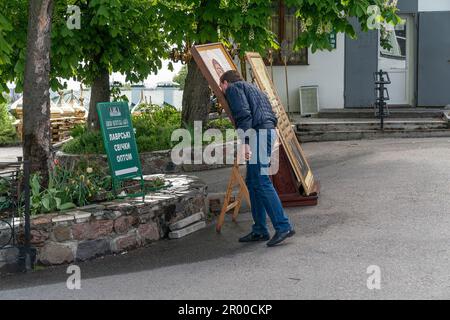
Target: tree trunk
<point>36,97</point>
<point>196,96</point>
<point>100,92</point>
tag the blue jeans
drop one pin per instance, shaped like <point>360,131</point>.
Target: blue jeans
<point>263,197</point>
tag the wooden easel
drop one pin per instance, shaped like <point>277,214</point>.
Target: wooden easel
<point>236,179</point>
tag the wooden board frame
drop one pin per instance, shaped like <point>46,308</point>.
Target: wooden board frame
<point>198,53</point>
<point>286,133</point>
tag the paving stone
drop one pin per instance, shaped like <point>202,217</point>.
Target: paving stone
<point>187,230</point>
<point>186,221</point>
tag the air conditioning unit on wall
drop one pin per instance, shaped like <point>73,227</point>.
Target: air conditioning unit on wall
<point>309,100</point>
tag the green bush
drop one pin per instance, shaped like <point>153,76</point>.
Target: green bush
<point>7,131</point>
<point>84,142</point>
<point>153,127</point>
<point>222,124</point>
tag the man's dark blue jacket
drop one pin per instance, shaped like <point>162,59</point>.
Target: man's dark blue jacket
<point>250,107</point>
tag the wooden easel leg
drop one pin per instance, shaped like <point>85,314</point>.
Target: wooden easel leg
<point>235,179</point>
<point>238,207</point>
<point>226,201</point>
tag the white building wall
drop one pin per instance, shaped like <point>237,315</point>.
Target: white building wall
<point>434,5</point>
<point>325,69</point>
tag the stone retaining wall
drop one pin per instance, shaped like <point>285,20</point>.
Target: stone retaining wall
<point>152,162</point>
<point>116,226</point>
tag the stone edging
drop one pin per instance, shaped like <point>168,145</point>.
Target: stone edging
<point>115,226</point>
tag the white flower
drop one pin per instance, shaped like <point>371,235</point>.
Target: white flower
<point>89,170</point>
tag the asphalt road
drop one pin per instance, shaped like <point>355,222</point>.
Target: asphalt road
<point>382,203</point>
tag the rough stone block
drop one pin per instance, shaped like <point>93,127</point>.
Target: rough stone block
<point>62,233</point>
<point>92,248</point>
<point>186,221</point>
<point>38,237</point>
<point>124,223</point>
<point>92,230</point>
<point>63,219</point>
<point>144,218</point>
<point>42,220</point>
<point>57,253</point>
<point>148,232</point>
<point>9,260</point>
<point>112,215</point>
<point>125,242</point>
<point>81,216</point>
<point>187,230</point>
<point>92,208</point>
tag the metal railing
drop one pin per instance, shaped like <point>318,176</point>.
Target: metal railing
<point>15,211</point>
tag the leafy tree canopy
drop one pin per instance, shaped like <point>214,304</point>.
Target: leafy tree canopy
<point>117,35</point>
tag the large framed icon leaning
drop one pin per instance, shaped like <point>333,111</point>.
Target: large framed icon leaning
<point>213,60</point>
<point>286,133</point>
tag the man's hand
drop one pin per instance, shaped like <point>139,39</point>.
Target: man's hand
<point>246,152</point>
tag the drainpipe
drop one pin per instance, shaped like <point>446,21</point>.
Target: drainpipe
<point>416,75</point>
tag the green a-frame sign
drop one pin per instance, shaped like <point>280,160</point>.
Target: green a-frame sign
<point>120,143</point>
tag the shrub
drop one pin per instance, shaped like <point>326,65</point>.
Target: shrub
<point>153,126</point>
<point>84,142</point>
<point>7,131</point>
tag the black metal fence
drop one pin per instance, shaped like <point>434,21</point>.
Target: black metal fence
<point>15,212</point>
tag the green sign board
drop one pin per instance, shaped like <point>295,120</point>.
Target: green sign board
<point>119,141</point>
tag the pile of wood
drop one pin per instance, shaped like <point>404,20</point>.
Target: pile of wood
<point>60,127</point>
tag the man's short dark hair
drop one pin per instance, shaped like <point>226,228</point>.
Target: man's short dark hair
<point>231,76</point>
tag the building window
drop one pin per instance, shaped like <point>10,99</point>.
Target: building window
<point>286,26</point>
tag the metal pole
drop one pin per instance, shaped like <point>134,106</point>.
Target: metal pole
<point>26,170</point>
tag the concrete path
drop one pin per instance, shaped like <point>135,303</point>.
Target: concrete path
<point>383,203</point>
<point>10,154</point>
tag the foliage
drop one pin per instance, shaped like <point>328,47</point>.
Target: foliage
<point>68,188</point>
<point>84,142</point>
<point>117,35</point>
<point>116,93</point>
<point>247,22</point>
<point>84,184</point>
<point>47,200</point>
<point>7,131</point>
<point>180,77</point>
<point>153,126</point>
<point>220,123</point>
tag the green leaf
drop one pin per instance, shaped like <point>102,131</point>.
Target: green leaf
<point>67,206</point>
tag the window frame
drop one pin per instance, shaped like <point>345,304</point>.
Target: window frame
<point>277,59</point>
